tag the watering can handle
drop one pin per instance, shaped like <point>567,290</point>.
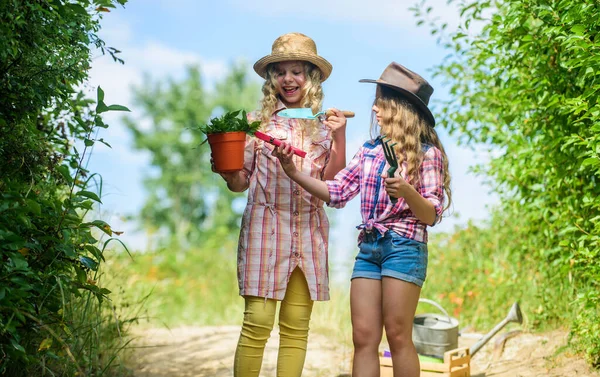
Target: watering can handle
<point>428,301</point>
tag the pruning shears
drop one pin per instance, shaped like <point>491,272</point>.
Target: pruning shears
<point>390,157</point>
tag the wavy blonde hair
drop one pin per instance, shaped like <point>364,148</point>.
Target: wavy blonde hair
<point>405,125</point>
<point>312,95</point>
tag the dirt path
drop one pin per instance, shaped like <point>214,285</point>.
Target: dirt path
<point>208,352</point>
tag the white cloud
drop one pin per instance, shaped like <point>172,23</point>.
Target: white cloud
<point>162,60</point>
<point>151,57</point>
<point>394,13</point>
<point>115,28</point>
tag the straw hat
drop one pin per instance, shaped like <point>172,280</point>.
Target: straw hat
<point>410,85</point>
<point>293,46</point>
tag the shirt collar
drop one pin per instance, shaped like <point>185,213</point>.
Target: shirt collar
<point>280,106</point>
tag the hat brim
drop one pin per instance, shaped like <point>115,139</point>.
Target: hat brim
<point>260,66</point>
<point>411,97</point>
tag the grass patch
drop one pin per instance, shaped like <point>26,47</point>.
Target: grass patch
<point>477,276</point>
<point>197,287</point>
<point>472,273</point>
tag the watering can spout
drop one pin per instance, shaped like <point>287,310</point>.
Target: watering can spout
<point>514,315</point>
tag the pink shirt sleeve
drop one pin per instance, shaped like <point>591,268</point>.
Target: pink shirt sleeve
<point>432,180</point>
<point>250,148</point>
<point>346,183</point>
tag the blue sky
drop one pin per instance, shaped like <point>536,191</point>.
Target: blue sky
<point>360,38</point>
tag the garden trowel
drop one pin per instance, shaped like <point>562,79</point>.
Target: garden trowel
<point>306,113</point>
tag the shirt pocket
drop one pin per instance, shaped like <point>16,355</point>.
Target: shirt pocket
<point>320,147</point>
<point>276,133</point>
<point>267,149</point>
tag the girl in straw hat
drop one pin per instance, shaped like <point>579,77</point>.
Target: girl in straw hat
<point>282,254</point>
<point>391,264</point>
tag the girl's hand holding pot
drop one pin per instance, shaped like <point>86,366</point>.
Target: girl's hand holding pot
<point>228,177</point>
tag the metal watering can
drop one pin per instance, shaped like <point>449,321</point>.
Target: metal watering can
<point>434,334</point>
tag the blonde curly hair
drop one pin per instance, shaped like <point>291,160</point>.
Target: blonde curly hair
<point>312,95</point>
<point>405,125</point>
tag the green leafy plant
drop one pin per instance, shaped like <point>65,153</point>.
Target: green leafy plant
<point>55,317</point>
<point>230,122</point>
<point>524,82</point>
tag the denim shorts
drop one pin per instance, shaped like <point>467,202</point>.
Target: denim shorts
<point>391,255</point>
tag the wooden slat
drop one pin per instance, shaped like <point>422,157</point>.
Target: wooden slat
<point>435,367</point>
<point>453,354</point>
<point>425,373</point>
<point>461,372</point>
<point>456,364</point>
<point>461,360</point>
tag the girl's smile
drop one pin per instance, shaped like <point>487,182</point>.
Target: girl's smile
<point>290,82</point>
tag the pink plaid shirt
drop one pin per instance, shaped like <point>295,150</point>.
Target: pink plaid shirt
<point>283,226</point>
<point>363,175</point>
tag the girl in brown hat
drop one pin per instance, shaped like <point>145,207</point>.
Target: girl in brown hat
<point>391,264</point>
<point>282,254</point>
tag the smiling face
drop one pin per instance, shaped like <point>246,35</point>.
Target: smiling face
<point>290,78</point>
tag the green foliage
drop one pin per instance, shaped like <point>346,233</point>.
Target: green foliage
<point>476,275</point>
<point>49,301</point>
<point>45,52</point>
<point>199,287</point>
<point>51,254</point>
<point>184,195</point>
<point>196,287</point>
<point>527,85</point>
<point>230,122</point>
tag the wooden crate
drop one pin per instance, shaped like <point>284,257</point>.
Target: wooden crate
<point>457,363</point>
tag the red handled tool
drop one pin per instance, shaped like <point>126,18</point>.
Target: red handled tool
<point>271,140</point>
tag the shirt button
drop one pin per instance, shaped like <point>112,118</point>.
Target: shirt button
<point>297,192</point>
<point>296,255</point>
<point>296,213</point>
<point>295,234</point>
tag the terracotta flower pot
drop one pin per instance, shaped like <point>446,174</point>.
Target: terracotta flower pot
<point>227,150</point>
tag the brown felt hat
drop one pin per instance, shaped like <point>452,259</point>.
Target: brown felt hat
<point>293,46</point>
<point>410,85</point>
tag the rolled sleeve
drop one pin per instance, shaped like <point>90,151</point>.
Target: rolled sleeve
<point>346,183</point>
<point>250,148</point>
<point>432,180</point>
<point>249,152</point>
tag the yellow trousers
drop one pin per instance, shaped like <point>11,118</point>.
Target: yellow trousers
<point>259,316</point>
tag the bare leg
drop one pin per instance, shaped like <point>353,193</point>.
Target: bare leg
<point>367,326</point>
<point>400,301</point>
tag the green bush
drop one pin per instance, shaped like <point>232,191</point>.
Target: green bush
<point>526,85</point>
<point>479,271</point>
<point>196,286</point>
<point>50,303</point>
